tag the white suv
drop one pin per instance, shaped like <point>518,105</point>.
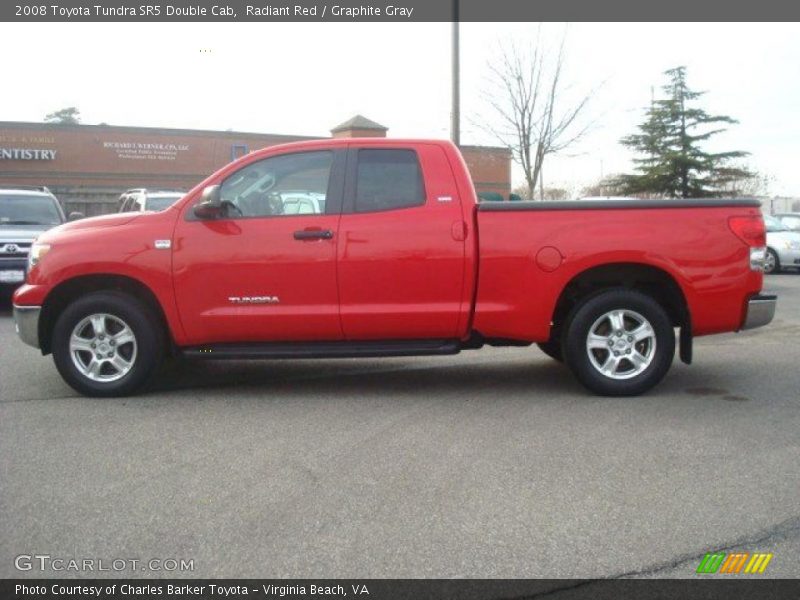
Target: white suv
<point>141,199</point>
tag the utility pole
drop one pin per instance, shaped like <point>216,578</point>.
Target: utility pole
<point>541,184</point>
<point>455,111</point>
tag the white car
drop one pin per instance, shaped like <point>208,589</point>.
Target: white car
<point>140,199</point>
<point>790,220</point>
<point>783,246</point>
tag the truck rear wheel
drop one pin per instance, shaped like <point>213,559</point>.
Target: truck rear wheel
<point>619,343</point>
<point>107,344</point>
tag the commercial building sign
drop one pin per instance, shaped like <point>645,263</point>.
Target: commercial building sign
<point>27,154</point>
<point>146,150</point>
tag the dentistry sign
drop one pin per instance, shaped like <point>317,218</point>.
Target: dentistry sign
<point>27,154</point>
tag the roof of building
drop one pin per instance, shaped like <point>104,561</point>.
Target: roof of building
<point>501,149</point>
<point>146,130</point>
<point>359,122</point>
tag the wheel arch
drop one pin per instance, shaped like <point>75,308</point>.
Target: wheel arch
<point>71,289</point>
<point>648,279</point>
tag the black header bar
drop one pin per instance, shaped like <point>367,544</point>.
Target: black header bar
<point>712,588</point>
<point>399,11</point>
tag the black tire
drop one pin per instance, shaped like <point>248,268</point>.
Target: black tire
<point>592,311</point>
<point>6,292</point>
<point>553,349</point>
<point>773,265</point>
<point>149,343</point>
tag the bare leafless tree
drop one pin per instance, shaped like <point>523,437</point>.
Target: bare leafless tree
<point>606,186</point>
<point>751,182</point>
<point>534,119</point>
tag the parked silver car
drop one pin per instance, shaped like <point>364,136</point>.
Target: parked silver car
<point>25,212</point>
<point>790,220</point>
<point>783,246</point>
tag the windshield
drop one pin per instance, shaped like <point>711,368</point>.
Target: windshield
<point>774,224</point>
<point>25,209</point>
<point>161,202</point>
<point>791,221</point>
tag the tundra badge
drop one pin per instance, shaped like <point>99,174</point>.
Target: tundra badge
<point>253,299</point>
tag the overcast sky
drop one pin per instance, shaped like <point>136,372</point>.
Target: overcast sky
<point>301,78</point>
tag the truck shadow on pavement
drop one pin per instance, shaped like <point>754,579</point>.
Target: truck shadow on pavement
<point>523,377</point>
<point>362,377</point>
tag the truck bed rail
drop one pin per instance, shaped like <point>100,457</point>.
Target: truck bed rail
<point>616,204</point>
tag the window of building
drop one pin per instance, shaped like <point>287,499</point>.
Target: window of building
<point>238,150</point>
<point>388,179</point>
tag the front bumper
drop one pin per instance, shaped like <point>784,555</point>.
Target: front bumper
<point>13,264</point>
<point>26,319</point>
<point>760,311</point>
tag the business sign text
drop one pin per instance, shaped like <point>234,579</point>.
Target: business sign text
<point>27,154</point>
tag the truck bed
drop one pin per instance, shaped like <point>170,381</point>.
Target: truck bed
<point>530,252</point>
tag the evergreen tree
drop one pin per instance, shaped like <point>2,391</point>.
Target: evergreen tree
<point>672,163</point>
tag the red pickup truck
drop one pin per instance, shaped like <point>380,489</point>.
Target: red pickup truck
<point>375,247</point>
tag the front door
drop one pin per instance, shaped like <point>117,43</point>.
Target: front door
<point>267,271</point>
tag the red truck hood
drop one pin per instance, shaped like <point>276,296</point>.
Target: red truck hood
<point>103,221</point>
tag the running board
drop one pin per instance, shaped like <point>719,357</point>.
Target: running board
<point>324,349</point>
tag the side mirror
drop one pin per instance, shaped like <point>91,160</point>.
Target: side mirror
<point>212,194</point>
<point>210,205</point>
<point>75,215</point>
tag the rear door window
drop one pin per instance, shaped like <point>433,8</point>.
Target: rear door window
<point>388,179</point>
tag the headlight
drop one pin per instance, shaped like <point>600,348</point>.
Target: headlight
<point>37,254</point>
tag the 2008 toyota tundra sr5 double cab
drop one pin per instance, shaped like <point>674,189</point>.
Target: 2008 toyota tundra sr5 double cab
<point>378,248</point>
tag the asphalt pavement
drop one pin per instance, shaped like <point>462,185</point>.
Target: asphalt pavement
<point>491,463</point>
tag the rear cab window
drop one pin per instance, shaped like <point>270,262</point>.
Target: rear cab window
<point>388,179</point>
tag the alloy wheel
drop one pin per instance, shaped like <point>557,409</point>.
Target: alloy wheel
<point>621,344</point>
<point>103,347</point>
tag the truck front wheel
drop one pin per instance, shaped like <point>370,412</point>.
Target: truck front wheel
<point>619,343</point>
<point>107,344</point>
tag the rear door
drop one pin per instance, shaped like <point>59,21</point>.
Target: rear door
<point>401,244</point>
